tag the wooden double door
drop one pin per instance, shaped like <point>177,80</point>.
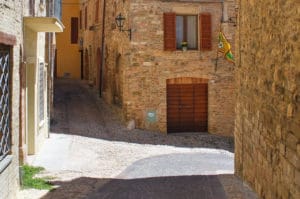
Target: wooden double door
<point>187,106</point>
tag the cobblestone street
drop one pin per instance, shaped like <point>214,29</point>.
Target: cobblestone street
<point>91,154</point>
<point>78,111</point>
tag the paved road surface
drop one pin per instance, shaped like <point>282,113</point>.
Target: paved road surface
<point>90,154</point>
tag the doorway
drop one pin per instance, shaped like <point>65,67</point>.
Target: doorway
<point>187,105</point>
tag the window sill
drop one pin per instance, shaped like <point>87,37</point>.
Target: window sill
<point>187,50</point>
<point>5,162</point>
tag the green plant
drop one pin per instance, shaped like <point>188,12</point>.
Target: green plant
<point>29,181</point>
<point>184,44</point>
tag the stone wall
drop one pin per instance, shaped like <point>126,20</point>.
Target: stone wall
<point>11,24</point>
<point>267,130</point>
<point>92,40</point>
<point>144,67</point>
<point>115,53</point>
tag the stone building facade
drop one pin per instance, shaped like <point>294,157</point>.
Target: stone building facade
<point>11,38</point>
<point>91,40</point>
<point>23,84</point>
<point>38,60</point>
<point>267,126</point>
<point>135,74</point>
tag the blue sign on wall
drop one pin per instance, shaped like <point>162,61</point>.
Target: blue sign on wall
<point>151,116</point>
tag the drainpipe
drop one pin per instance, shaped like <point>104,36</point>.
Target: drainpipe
<point>103,49</point>
<point>49,7</point>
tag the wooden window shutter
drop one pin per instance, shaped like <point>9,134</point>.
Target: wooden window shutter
<point>80,19</point>
<point>97,11</point>
<point>170,31</point>
<point>74,30</point>
<point>205,31</point>
<point>85,18</point>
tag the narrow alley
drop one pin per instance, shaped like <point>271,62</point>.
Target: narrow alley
<point>140,99</point>
<point>91,154</point>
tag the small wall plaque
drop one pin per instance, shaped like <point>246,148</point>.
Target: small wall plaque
<point>151,116</point>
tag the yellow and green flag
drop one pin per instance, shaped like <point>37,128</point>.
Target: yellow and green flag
<point>224,47</point>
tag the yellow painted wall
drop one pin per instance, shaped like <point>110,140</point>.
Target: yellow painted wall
<point>68,55</point>
<point>37,131</point>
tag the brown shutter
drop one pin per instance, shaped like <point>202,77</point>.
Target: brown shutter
<point>80,19</point>
<point>74,30</point>
<point>97,11</point>
<point>85,18</point>
<point>170,31</point>
<point>205,31</point>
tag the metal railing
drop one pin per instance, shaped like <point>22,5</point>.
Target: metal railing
<point>42,88</point>
<point>54,8</point>
<point>57,9</point>
<point>5,136</point>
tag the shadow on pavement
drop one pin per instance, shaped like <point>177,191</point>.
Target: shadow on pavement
<point>79,111</point>
<point>177,187</point>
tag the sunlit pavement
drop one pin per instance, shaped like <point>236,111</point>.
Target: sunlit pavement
<point>90,154</point>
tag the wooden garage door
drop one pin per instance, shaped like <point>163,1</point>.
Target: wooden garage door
<point>187,107</point>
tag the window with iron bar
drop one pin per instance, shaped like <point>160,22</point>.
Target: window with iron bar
<point>41,93</point>
<point>5,136</point>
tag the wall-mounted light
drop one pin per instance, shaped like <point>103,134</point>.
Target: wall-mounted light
<point>120,23</point>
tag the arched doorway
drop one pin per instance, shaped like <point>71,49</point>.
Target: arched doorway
<point>187,105</point>
<point>86,64</point>
<point>116,88</point>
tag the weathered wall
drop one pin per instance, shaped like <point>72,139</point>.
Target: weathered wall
<point>92,40</point>
<point>267,130</point>
<point>68,55</point>
<point>145,66</point>
<point>34,55</point>
<point>11,23</point>
<point>117,49</point>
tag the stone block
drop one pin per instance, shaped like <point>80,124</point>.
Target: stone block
<point>292,141</point>
<point>147,64</point>
<point>297,178</point>
<point>290,110</point>
<point>282,148</point>
<point>131,125</point>
<point>293,158</point>
<point>295,191</point>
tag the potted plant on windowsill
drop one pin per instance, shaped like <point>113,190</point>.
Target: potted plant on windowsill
<point>184,46</point>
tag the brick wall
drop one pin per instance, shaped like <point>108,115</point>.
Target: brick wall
<point>144,66</point>
<point>267,130</point>
<point>11,24</point>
